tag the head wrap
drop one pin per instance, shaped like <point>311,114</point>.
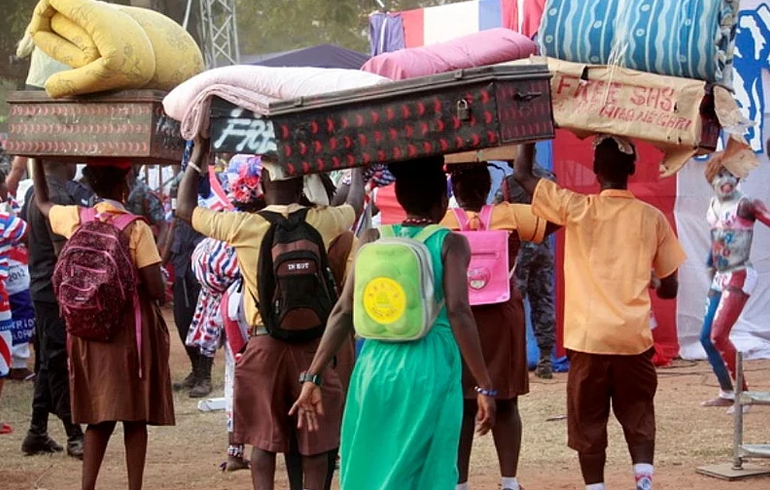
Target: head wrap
<point>244,177</point>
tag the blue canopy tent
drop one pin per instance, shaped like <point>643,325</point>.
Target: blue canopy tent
<point>321,56</point>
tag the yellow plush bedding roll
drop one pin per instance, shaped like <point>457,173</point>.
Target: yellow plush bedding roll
<point>177,56</point>
<point>112,47</point>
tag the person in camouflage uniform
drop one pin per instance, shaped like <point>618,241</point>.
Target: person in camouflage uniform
<point>534,276</point>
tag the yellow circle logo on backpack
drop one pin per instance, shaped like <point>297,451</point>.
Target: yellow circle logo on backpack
<point>384,300</point>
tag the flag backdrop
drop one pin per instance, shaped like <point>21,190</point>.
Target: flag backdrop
<point>684,198</point>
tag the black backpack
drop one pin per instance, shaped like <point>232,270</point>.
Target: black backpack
<point>296,287</point>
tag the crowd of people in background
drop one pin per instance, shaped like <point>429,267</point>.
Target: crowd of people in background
<point>304,392</point>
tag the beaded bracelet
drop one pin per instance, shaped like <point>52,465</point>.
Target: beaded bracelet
<point>482,391</point>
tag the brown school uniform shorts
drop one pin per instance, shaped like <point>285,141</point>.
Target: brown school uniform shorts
<point>266,387</point>
<point>628,382</point>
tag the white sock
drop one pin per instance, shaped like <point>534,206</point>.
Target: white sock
<point>595,486</point>
<point>462,486</point>
<point>643,473</point>
<point>510,483</point>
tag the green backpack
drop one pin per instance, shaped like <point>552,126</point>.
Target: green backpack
<point>394,296</point>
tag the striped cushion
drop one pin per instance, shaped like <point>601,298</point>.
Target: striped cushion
<point>681,38</point>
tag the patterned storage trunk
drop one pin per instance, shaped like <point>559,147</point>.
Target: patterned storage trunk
<point>129,124</point>
<point>444,114</point>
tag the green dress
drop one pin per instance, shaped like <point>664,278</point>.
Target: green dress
<point>401,427</point>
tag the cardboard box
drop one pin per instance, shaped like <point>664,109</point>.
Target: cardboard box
<point>129,124</point>
<point>502,153</point>
<point>682,117</point>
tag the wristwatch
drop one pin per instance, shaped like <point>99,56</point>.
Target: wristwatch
<point>310,378</point>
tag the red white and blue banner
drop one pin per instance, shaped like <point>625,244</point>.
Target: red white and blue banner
<point>683,198</point>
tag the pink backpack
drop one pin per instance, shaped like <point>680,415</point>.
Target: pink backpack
<point>489,278</point>
<point>95,279</point>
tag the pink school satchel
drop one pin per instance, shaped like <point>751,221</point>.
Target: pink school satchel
<point>489,276</point>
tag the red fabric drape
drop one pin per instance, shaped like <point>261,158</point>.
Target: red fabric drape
<point>530,16</point>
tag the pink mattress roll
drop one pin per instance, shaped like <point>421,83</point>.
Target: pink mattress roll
<point>480,49</point>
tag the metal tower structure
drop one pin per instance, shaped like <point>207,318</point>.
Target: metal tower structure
<point>219,31</point>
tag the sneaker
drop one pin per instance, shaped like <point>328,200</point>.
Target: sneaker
<point>544,369</point>
<point>35,444</point>
<point>75,448</point>
<point>201,389</point>
<point>187,384</point>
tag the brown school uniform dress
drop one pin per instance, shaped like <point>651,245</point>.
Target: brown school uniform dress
<point>267,375</point>
<point>104,376</point>
<point>502,326</point>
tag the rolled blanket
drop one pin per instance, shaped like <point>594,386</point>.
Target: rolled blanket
<point>681,38</point>
<point>177,56</point>
<point>112,47</point>
<point>253,88</point>
<point>482,48</point>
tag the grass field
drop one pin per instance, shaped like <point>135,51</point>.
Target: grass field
<point>187,456</point>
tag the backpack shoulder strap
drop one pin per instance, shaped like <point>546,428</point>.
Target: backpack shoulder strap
<point>271,216</point>
<point>300,215</point>
<point>294,218</point>
<point>386,231</point>
<point>121,221</point>
<point>427,232</point>
<point>86,215</point>
<point>486,216</point>
<point>462,218</point>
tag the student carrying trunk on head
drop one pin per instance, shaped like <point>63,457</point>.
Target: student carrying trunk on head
<point>281,251</point>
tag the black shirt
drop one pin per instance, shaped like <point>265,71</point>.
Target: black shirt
<point>185,241</point>
<point>80,193</point>
<point>42,255</point>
